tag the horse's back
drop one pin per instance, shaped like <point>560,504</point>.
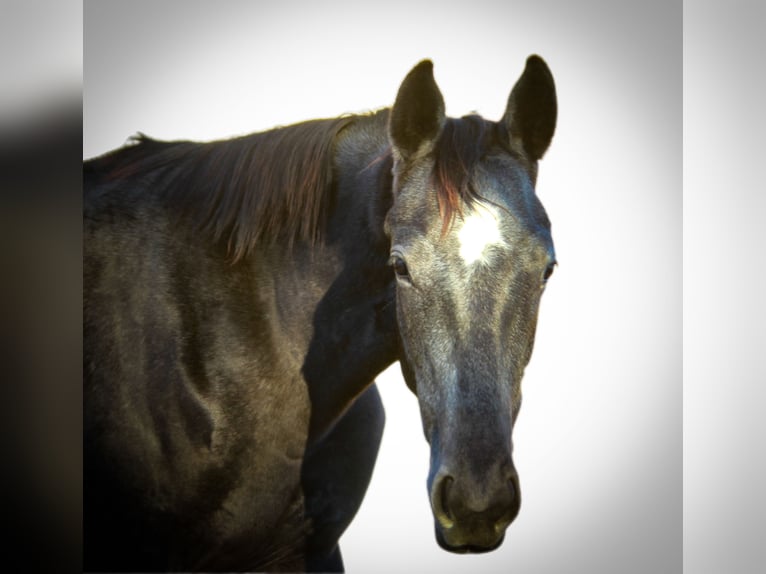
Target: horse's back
<point>187,445</point>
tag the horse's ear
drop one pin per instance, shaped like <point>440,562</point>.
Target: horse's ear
<point>531,112</point>
<point>418,114</point>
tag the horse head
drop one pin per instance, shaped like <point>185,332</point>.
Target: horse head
<point>471,252</point>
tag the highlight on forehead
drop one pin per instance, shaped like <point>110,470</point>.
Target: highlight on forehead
<point>478,232</point>
<point>461,145</point>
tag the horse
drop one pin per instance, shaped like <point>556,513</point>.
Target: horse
<point>240,297</point>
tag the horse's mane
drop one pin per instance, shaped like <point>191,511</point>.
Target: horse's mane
<point>242,190</point>
<point>276,184</point>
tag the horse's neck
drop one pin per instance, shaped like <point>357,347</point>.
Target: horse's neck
<point>350,327</point>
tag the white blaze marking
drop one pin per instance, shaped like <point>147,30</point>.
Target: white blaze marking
<point>480,230</point>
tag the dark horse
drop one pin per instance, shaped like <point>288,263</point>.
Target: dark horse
<point>241,296</point>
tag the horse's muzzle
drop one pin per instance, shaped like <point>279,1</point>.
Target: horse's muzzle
<point>471,516</point>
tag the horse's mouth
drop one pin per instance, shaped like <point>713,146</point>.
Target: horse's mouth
<point>466,548</point>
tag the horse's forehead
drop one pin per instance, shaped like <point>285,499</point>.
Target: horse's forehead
<point>504,216</point>
<point>478,232</point>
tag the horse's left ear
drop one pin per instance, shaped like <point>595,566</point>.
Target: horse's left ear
<point>531,112</point>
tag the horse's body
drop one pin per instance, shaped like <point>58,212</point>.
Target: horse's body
<point>239,301</point>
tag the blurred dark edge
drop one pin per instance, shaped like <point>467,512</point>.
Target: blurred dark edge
<point>41,45</point>
<point>41,334</point>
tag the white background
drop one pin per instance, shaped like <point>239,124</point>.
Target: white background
<point>598,442</point>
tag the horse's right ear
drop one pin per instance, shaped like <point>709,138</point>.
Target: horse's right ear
<point>418,114</point>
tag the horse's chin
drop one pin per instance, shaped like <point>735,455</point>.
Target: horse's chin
<point>466,548</point>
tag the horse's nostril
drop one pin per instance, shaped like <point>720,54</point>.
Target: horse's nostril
<point>510,511</point>
<point>512,508</point>
<point>512,488</point>
<point>446,485</point>
<point>440,500</point>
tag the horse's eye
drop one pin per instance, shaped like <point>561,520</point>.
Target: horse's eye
<point>549,271</point>
<point>400,268</point>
